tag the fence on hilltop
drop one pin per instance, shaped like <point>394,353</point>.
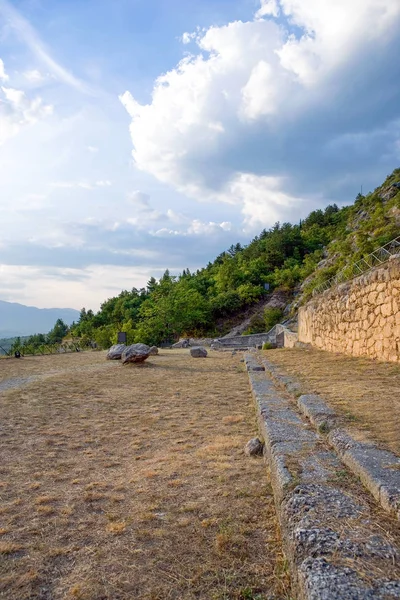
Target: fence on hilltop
<point>374,259</point>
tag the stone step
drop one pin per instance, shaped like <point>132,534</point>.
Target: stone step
<point>378,469</point>
<point>338,543</point>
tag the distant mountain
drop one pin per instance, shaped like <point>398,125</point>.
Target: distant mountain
<point>17,319</point>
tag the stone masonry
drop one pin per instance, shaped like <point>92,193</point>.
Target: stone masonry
<point>360,317</point>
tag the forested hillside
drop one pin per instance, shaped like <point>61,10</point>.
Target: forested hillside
<point>285,257</point>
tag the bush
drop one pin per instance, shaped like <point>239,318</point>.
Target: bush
<point>257,325</point>
<point>272,316</point>
<point>267,346</point>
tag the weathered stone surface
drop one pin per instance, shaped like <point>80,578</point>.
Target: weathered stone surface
<point>254,447</point>
<point>251,361</point>
<point>328,531</point>
<point>198,352</point>
<point>379,470</point>
<point>357,318</point>
<point>321,580</point>
<point>181,344</point>
<point>115,352</point>
<point>153,351</point>
<point>322,416</point>
<point>137,353</point>
<point>283,381</point>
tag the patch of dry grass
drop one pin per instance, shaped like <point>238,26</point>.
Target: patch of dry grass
<point>131,482</point>
<point>364,391</point>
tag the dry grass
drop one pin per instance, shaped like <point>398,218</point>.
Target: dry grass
<point>130,482</point>
<point>365,392</point>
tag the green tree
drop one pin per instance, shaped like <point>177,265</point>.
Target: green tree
<point>58,332</point>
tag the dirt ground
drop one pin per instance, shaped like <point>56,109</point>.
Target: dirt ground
<point>131,482</point>
<point>364,391</point>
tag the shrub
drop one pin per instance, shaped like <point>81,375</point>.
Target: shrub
<point>267,346</point>
<point>272,316</point>
<point>257,325</point>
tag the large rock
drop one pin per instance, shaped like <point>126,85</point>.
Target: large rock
<point>198,352</point>
<point>115,352</point>
<point>153,351</point>
<point>137,353</point>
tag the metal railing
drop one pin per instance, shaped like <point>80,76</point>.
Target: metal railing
<point>376,258</point>
<point>47,349</point>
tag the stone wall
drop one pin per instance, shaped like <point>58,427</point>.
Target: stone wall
<point>361,317</point>
<point>285,338</point>
<point>246,341</point>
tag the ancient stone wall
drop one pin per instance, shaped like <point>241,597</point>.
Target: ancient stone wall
<point>246,341</point>
<point>361,317</point>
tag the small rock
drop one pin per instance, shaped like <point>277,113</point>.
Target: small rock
<point>137,353</point>
<point>254,447</point>
<point>198,352</point>
<point>115,352</point>
<point>153,351</point>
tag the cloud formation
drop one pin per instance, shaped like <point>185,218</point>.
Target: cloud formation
<point>259,115</point>
<point>17,111</point>
<point>3,74</point>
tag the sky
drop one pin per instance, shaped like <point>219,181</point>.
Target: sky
<point>137,136</point>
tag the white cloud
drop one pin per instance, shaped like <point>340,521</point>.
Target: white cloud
<point>3,74</point>
<point>34,76</point>
<point>71,287</point>
<point>188,37</point>
<point>262,198</point>
<point>85,185</point>
<point>333,31</point>
<point>192,104</point>
<point>17,111</point>
<point>247,90</point>
<point>260,94</point>
<point>92,149</point>
<point>268,8</point>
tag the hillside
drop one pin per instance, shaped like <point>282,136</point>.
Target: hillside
<point>20,320</point>
<point>289,258</point>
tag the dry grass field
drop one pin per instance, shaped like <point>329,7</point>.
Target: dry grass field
<point>366,392</point>
<point>131,482</point>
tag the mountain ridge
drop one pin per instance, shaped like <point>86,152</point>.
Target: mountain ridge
<point>18,319</point>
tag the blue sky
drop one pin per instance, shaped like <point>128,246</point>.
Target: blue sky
<point>136,136</point>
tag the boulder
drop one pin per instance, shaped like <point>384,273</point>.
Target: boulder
<point>115,352</point>
<point>254,447</point>
<point>198,352</point>
<point>137,353</point>
<point>153,351</point>
<point>181,344</point>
